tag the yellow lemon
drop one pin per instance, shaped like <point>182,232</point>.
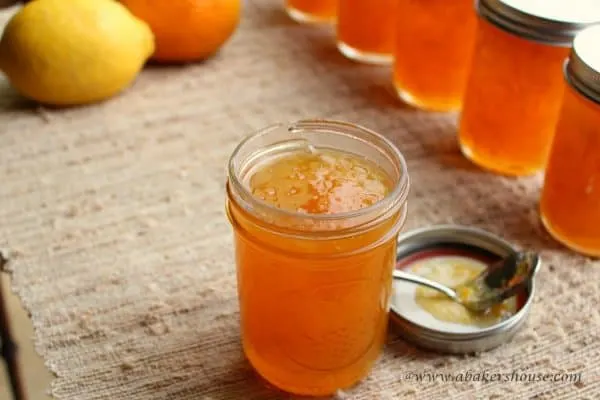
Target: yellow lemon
<point>73,52</point>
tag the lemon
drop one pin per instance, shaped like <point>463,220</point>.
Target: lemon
<point>73,52</point>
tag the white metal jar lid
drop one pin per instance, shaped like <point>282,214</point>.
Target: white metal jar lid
<point>583,67</point>
<point>554,22</point>
<point>416,328</point>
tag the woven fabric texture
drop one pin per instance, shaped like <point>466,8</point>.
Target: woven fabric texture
<point>113,219</point>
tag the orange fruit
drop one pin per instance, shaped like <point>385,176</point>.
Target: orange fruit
<point>187,30</point>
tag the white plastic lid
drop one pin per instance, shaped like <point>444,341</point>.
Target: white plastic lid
<point>572,11</point>
<point>553,22</point>
<point>587,46</point>
<point>583,68</point>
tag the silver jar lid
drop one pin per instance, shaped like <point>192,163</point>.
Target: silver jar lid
<point>554,22</point>
<point>419,327</point>
<point>583,67</point>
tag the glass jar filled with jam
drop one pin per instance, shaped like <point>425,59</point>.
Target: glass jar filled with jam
<point>515,85</point>
<point>312,11</point>
<point>570,201</point>
<point>316,208</point>
<point>365,30</point>
<point>432,52</point>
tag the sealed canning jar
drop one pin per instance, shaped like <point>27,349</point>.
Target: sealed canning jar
<point>515,87</point>
<point>316,209</point>
<point>312,11</point>
<point>570,201</point>
<point>432,52</point>
<point>365,30</point>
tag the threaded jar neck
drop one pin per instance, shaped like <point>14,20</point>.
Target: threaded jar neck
<point>320,134</point>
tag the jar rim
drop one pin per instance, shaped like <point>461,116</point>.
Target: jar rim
<point>398,195</point>
<point>530,26</point>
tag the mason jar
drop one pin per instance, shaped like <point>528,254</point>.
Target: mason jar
<point>570,199</point>
<point>314,288</point>
<point>514,91</point>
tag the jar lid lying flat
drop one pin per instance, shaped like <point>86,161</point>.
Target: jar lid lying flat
<point>443,247</point>
<point>583,67</point>
<point>554,22</point>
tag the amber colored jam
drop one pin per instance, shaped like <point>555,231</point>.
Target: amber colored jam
<point>320,182</point>
<point>312,10</point>
<point>452,272</point>
<point>432,52</point>
<point>570,200</point>
<point>365,28</point>
<point>511,102</point>
<point>314,309</point>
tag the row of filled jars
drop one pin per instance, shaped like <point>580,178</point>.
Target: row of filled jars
<point>524,76</point>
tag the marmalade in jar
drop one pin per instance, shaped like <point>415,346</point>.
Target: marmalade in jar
<point>319,182</point>
<point>514,90</point>
<point>315,243</point>
<point>570,199</point>
<point>511,102</point>
<point>365,30</point>
<point>314,323</point>
<point>312,11</point>
<point>432,52</point>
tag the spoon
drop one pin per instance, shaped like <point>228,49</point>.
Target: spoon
<point>493,285</point>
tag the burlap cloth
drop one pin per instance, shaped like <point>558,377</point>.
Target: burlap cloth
<point>113,218</point>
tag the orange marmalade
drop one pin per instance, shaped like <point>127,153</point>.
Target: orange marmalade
<point>365,30</point>
<point>312,11</point>
<point>513,94</point>
<point>319,182</point>
<point>570,200</point>
<point>315,240</point>
<point>432,52</point>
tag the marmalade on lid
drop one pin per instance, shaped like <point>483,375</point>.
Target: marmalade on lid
<point>454,271</point>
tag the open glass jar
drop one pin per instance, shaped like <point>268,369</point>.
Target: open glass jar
<point>314,288</point>
<point>570,200</point>
<point>514,91</point>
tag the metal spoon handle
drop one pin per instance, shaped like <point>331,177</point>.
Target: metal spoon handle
<point>408,277</point>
